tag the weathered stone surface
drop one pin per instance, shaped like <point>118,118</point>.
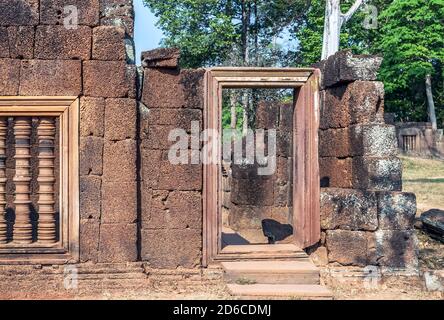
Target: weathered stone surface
<point>125,22</point>
<point>151,161</point>
<point>177,118</point>
<point>355,248</point>
<point>175,210</point>
<point>359,140</point>
<point>374,141</point>
<point>397,249</point>
<point>284,143</point>
<point>4,43</point>
<point>119,202</point>
<point>21,42</point>
<point>115,7</point>
<point>9,77</point>
<point>90,196</point>
<point>120,119</point>
<point>335,143</point>
<point>118,243</point>
<point>119,161</point>
<point>91,155</point>
<point>180,177</point>
<point>50,77</point>
<point>361,102</point>
<point>320,257</point>
<point>161,58</point>
<point>257,192</point>
<point>159,173</point>
<point>57,42</point>
<point>346,67</point>
<point>336,173</point>
<point>348,210</point>
<point>396,210</point>
<point>434,280</point>
<point>157,137</point>
<point>19,13</point>
<point>132,81</point>
<point>108,43</point>
<point>89,240</point>
<point>53,12</point>
<point>433,223</point>
<point>106,79</point>
<point>286,117</point>
<point>92,117</point>
<point>267,115</point>
<point>166,88</point>
<point>244,217</point>
<point>166,249</point>
<point>117,13</point>
<point>379,174</point>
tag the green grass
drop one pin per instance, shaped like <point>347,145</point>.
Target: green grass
<point>425,178</point>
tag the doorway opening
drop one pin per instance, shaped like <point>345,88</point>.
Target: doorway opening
<point>262,187</point>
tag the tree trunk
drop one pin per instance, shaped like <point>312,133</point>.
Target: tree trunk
<point>332,28</point>
<point>334,20</point>
<point>233,104</point>
<point>431,102</point>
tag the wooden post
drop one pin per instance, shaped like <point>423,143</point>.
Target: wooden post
<point>46,179</point>
<point>3,222</point>
<point>22,232</point>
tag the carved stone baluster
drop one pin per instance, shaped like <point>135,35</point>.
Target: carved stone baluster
<point>47,223</point>
<point>3,222</point>
<point>22,232</point>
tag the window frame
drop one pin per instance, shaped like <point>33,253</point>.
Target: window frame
<point>67,109</point>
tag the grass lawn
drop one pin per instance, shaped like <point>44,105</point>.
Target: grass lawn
<point>425,178</point>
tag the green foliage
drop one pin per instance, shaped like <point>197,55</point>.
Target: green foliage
<point>354,36</point>
<point>202,29</point>
<point>210,32</point>
<point>412,41</point>
<point>409,36</point>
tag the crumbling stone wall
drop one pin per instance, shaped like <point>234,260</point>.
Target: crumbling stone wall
<point>171,195</point>
<point>365,218</point>
<point>40,56</point>
<point>134,204</point>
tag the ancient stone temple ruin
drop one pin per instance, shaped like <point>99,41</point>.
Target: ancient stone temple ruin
<point>86,180</point>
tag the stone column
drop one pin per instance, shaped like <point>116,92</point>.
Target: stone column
<point>46,179</point>
<point>22,179</point>
<point>3,222</point>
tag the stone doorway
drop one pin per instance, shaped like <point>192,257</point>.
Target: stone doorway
<point>285,217</point>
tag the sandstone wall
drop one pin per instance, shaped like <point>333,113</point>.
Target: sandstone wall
<point>40,57</point>
<point>171,195</point>
<point>365,218</point>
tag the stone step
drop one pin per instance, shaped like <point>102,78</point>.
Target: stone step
<point>263,252</point>
<point>290,291</point>
<point>271,272</point>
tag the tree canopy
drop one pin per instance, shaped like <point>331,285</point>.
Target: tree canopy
<point>409,35</point>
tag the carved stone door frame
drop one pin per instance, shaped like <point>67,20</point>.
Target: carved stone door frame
<point>306,190</point>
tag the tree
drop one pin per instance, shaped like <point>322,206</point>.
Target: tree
<point>412,40</point>
<point>334,20</point>
<point>310,29</point>
<point>227,32</point>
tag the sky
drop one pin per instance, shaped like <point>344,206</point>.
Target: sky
<point>147,35</point>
